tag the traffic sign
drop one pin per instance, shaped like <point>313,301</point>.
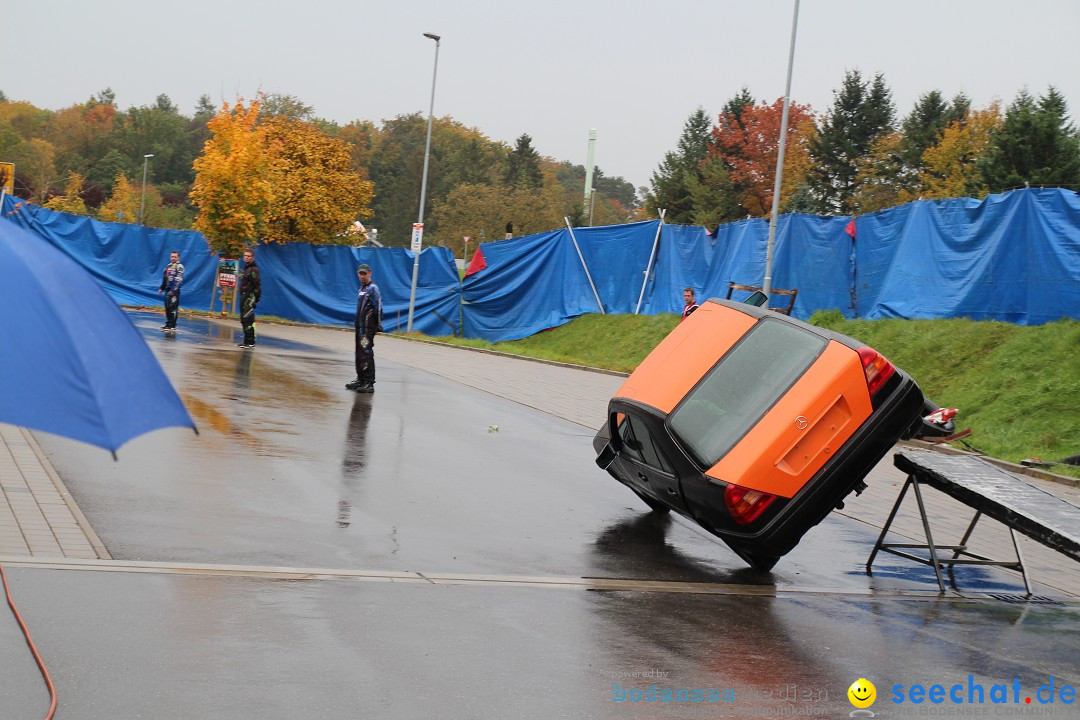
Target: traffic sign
<point>417,236</point>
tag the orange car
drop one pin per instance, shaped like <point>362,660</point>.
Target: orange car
<point>755,425</point>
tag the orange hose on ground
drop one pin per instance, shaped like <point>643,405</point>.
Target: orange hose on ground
<point>33,648</point>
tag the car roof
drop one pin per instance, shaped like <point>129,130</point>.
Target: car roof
<point>687,353</point>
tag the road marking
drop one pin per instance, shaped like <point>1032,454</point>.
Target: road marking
<point>429,578</point>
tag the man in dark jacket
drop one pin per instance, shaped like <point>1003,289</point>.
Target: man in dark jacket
<point>171,280</point>
<point>368,321</point>
<point>250,292</point>
<point>691,303</point>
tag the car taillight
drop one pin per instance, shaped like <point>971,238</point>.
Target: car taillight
<point>746,505</point>
<point>878,370</point>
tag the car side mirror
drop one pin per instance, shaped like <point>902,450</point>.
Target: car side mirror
<point>606,457</point>
<point>757,299</point>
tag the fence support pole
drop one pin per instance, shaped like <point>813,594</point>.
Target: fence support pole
<point>648,268</point>
<point>582,259</point>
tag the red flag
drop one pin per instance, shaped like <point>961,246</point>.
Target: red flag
<point>850,229</point>
<point>477,264</point>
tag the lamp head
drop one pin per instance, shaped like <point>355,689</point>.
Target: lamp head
<point>433,36</point>
<point>149,156</point>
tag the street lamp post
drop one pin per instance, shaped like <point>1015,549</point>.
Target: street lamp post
<point>766,284</point>
<point>142,203</point>
<point>418,229</point>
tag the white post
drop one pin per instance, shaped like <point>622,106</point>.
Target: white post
<point>766,285</point>
<point>417,243</point>
<point>142,203</point>
<point>582,259</point>
<point>648,268</point>
<point>589,173</point>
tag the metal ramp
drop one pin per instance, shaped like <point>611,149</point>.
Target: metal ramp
<point>990,491</point>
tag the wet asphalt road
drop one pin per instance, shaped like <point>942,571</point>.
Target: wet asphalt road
<point>292,470</point>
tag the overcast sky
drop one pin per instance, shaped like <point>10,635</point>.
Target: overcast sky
<point>632,69</point>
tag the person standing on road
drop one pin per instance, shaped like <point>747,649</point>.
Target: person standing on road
<point>691,303</point>
<point>171,280</point>
<point>368,321</point>
<point>250,292</point>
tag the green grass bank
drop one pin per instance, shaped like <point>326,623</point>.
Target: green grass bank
<point>1017,387</point>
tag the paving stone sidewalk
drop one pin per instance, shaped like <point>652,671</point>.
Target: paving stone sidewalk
<point>38,518</point>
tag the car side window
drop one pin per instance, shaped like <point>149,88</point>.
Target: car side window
<point>639,444</point>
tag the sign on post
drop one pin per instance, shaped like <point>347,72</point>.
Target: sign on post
<point>417,236</point>
<point>228,271</point>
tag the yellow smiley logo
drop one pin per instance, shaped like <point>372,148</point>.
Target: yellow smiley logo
<point>862,693</point>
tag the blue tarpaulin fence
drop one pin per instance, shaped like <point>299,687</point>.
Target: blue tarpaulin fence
<point>300,281</point>
<point>1013,257</point>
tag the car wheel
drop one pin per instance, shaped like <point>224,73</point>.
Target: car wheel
<point>654,505</point>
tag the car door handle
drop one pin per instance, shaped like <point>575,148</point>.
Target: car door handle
<point>642,478</point>
<point>673,492</point>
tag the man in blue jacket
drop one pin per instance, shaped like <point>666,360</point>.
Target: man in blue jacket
<point>171,280</point>
<point>368,321</point>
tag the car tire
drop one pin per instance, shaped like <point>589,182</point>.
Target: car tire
<point>654,505</point>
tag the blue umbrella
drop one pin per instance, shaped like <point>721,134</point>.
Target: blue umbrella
<point>71,362</point>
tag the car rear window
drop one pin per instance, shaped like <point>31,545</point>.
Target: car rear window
<point>740,389</point>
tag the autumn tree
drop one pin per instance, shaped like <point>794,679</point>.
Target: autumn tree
<point>361,137</point>
<point>474,162</point>
<point>862,111</point>
<point>483,210</point>
<point>233,186</point>
<point>122,206</point>
<point>1035,145</point>
<point>71,201</point>
<point>749,143</point>
<point>316,196</point>
<point>37,164</point>
<point>290,107</point>
<point>160,130</point>
<point>396,168</point>
<point>614,198</point>
<point>951,167</point>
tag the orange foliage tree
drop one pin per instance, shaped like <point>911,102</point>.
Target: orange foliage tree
<point>317,195</point>
<point>748,145</point>
<point>122,205</point>
<point>70,201</point>
<point>233,186</point>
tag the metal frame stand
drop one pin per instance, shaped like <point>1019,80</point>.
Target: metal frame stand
<point>960,553</point>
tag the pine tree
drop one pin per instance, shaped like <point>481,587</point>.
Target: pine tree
<point>523,165</point>
<point>1035,145</point>
<point>672,180</point>
<point>921,130</point>
<point>862,112</point>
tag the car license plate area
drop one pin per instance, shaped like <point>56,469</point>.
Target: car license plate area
<point>820,438</point>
